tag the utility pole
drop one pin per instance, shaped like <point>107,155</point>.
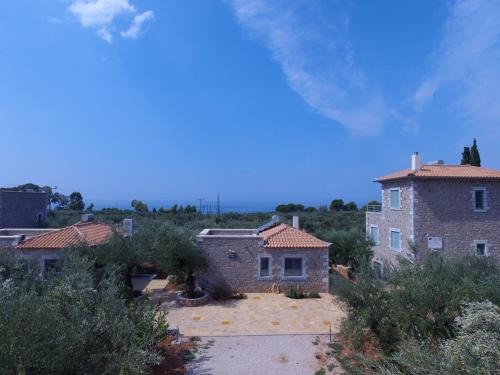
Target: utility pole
<point>218,205</point>
<point>200,200</point>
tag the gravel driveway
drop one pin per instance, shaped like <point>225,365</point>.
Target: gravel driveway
<point>248,355</point>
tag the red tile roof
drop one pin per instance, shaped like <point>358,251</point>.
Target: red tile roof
<point>91,233</point>
<point>284,236</point>
<point>445,171</point>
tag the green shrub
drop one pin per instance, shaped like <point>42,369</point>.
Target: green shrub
<point>417,301</point>
<point>313,294</point>
<point>474,350</point>
<point>295,293</point>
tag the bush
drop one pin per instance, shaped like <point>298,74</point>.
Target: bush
<point>313,294</point>
<point>295,293</point>
<point>69,324</point>
<point>474,350</point>
<point>349,248</point>
<point>418,301</point>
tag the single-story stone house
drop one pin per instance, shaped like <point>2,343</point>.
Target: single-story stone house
<point>258,260</point>
<point>46,247</point>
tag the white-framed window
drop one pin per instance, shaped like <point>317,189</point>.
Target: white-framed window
<point>479,199</point>
<point>293,267</point>
<point>374,234</point>
<point>264,269</point>
<point>395,198</point>
<point>395,239</point>
<point>481,248</point>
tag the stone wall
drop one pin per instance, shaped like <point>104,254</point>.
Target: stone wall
<point>19,209</point>
<point>233,264</point>
<point>396,219</point>
<point>445,209</point>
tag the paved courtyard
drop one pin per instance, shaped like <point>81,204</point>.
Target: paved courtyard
<point>259,314</point>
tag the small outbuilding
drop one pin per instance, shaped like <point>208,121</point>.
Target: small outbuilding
<point>273,256</point>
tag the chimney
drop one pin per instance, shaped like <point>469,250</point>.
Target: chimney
<point>296,222</point>
<point>128,227</point>
<point>416,163</point>
<point>87,217</point>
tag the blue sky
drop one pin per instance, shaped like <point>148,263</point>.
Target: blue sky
<point>264,101</point>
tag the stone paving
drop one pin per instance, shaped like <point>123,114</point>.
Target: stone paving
<point>259,314</point>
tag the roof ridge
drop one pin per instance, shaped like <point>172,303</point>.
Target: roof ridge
<point>79,233</point>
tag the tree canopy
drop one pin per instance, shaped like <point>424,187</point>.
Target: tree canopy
<point>76,201</point>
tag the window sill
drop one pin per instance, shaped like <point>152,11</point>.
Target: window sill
<point>265,278</point>
<point>395,209</point>
<point>294,278</point>
<point>480,210</point>
<point>396,250</point>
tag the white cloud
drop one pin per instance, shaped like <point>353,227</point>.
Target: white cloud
<point>100,14</point>
<point>316,58</point>
<point>134,30</point>
<point>467,62</point>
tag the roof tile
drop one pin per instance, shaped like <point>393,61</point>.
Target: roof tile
<point>91,233</point>
<point>284,236</point>
<point>444,171</point>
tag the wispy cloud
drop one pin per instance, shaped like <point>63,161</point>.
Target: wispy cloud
<point>134,30</point>
<point>100,15</point>
<point>467,62</point>
<point>317,59</point>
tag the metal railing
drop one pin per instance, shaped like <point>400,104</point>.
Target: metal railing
<point>374,208</point>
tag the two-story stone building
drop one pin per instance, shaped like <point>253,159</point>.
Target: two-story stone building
<point>453,209</point>
<point>23,208</point>
<point>256,260</point>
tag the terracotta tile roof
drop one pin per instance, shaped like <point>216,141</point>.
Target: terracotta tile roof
<point>91,233</point>
<point>445,171</point>
<point>284,236</point>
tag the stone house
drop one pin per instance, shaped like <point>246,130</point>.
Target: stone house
<point>46,247</point>
<point>23,209</point>
<point>257,260</point>
<point>452,209</point>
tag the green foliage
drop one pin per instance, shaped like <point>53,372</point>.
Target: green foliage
<point>337,205</point>
<point>369,310</point>
<point>475,158</point>
<point>290,207</point>
<point>295,292</point>
<point>140,207</point>
<point>417,301</point>
<point>348,248</point>
<point>351,206</point>
<point>313,294</point>
<point>90,207</point>
<point>76,201</point>
<point>69,324</point>
<point>174,251</point>
<point>474,350</point>
<point>465,156</point>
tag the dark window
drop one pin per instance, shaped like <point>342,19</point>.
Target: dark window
<point>481,249</point>
<point>51,266</point>
<point>479,194</point>
<point>293,267</point>
<point>377,269</point>
<point>264,267</point>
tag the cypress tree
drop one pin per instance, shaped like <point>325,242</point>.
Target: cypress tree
<point>465,156</point>
<point>475,159</point>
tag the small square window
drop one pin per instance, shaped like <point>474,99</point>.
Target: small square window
<point>395,199</point>
<point>265,269</point>
<point>293,267</point>
<point>480,249</point>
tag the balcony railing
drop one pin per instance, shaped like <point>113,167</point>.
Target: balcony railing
<point>374,208</point>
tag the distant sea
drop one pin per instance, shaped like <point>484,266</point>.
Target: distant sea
<point>225,206</point>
